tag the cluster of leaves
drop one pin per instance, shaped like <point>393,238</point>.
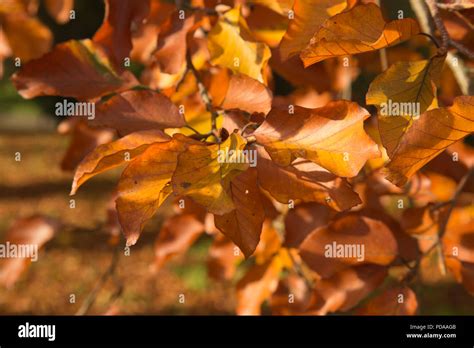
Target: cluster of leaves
<point>326,170</point>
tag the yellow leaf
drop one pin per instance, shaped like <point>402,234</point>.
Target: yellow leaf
<point>228,47</point>
<point>402,94</point>
<point>204,173</point>
<point>430,135</point>
<point>361,29</point>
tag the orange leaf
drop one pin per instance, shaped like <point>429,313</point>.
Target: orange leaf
<point>428,136</point>
<point>346,289</point>
<point>348,241</point>
<point>111,155</point>
<point>257,285</point>
<point>145,184</point>
<point>305,181</point>
<point>395,301</point>
<point>358,30</point>
<point>332,136</point>
<point>309,15</point>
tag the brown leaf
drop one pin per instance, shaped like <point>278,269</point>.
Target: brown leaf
<point>348,241</point>
<point>243,225</point>
<point>170,54</point>
<point>395,301</point>
<point>133,111</point>
<point>72,69</point>
<point>176,236</point>
<point>84,139</point>
<point>303,219</point>
<point>332,136</point>
<point>115,33</point>
<point>305,181</point>
<point>346,289</point>
<point>30,232</point>
<point>222,259</point>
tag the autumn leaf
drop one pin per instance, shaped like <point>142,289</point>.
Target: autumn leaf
<point>240,92</point>
<point>348,241</point>
<point>346,289</point>
<point>111,155</point>
<point>84,139</point>
<point>138,110</point>
<point>358,30</point>
<point>204,174</point>
<point>175,237</point>
<point>332,136</point>
<point>305,181</point>
<point>395,301</point>
<point>229,48</point>
<point>59,9</point>
<point>170,53</point>
<point>428,136</point>
<point>115,33</point>
<point>402,94</point>
<point>267,25</point>
<point>34,230</point>
<point>146,183</point>
<point>243,225</point>
<point>72,69</point>
<point>303,219</point>
<point>257,285</point>
<point>27,37</point>
<point>222,258</point>
<point>308,17</point>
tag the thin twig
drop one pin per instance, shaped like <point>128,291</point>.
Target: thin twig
<point>461,48</point>
<point>433,8</point>
<point>92,296</point>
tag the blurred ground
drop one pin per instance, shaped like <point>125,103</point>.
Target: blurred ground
<point>73,262</point>
<point>75,259</point>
